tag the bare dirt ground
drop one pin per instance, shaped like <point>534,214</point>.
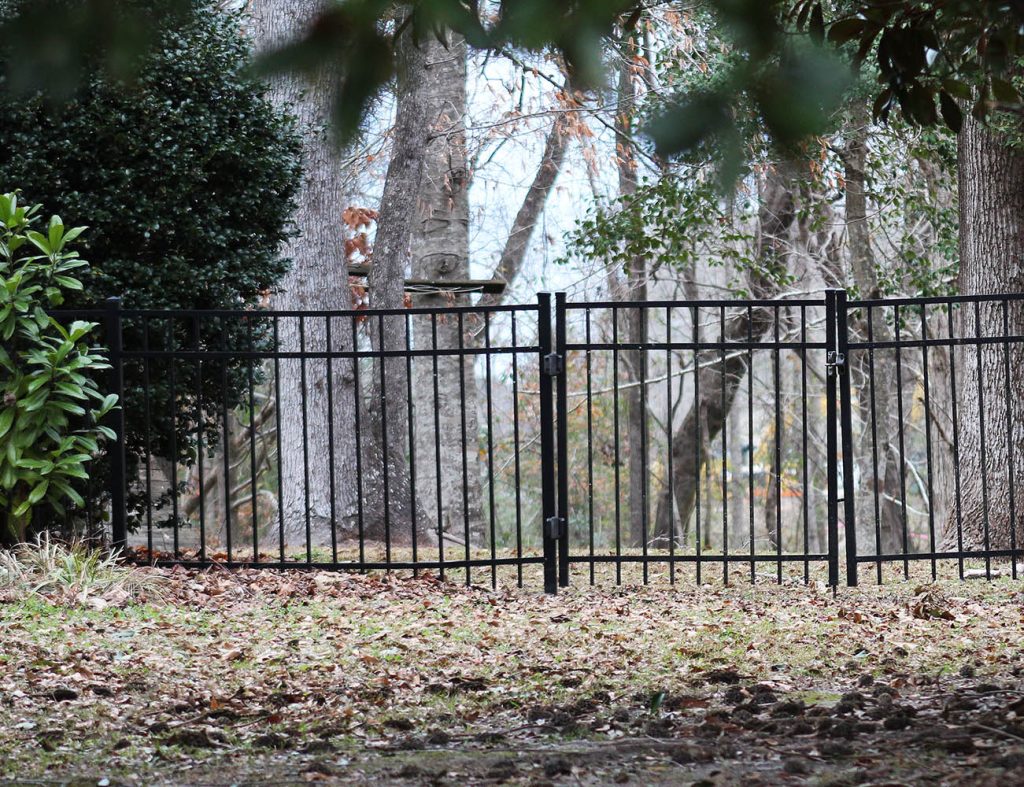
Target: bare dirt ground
<point>279,677</point>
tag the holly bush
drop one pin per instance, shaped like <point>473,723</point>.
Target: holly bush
<point>187,175</point>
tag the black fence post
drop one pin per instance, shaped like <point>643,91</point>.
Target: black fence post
<point>549,501</point>
<point>562,410</point>
<point>846,431</point>
<point>831,438</point>
<point>115,420</point>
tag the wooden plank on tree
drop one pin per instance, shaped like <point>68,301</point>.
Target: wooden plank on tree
<point>427,286</point>
<point>490,286</point>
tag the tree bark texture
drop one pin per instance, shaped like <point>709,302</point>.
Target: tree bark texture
<point>439,242</point>
<point>989,377</point>
<point>634,360</point>
<point>317,280</point>
<point>390,509</point>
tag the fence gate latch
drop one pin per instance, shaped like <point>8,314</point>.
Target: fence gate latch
<point>834,360</point>
<point>554,364</point>
<point>554,527</point>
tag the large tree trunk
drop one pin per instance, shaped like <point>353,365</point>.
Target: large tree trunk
<point>878,501</point>
<point>440,252</point>
<point>386,467</point>
<point>317,280</point>
<point>990,406</point>
<point>719,379</point>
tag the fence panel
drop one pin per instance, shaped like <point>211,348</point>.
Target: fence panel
<point>693,435</point>
<point>936,434</point>
<point>368,439</point>
<point>608,440</point>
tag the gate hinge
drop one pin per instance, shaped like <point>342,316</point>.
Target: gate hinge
<point>554,527</point>
<point>834,359</point>
<point>554,364</point>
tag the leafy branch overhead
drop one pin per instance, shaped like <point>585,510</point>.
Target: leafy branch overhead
<point>930,55</point>
<point>676,222</point>
<point>932,58</point>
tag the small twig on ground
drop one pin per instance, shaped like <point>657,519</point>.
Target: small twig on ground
<point>996,730</point>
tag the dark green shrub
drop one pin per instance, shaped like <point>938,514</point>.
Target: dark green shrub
<point>187,178</point>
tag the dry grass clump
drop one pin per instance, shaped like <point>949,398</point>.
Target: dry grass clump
<point>73,573</point>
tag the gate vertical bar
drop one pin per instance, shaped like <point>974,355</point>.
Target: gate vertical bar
<point>118,482</point>
<point>562,410</point>
<point>831,440</point>
<point>549,504</point>
<point>846,430</point>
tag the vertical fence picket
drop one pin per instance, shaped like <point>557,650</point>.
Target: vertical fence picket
<point>562,409</point>
<point>832,447</point>
<point>549,504</point>
<point>846,430</point>
<point>116,421</point>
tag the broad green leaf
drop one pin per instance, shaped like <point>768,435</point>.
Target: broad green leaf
<point>38,493</point>
<point>40,241</point>
<point>55,233</point>
<point>951,114</point>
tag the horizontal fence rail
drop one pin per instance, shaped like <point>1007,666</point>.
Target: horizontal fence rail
<point>621,441</point>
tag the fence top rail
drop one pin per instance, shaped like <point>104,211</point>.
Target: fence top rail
<point>312,313</point>
<point>936,300</point>
<point>700,345</point>
<point>938,341</point>
<point>211,353</point>
<point>735,303</point>
<point>98,312</point>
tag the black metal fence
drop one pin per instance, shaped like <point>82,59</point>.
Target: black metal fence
<point>370,439</point>
<point>606,441</point>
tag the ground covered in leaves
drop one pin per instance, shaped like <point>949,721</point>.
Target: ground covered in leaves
<point>258,676</point>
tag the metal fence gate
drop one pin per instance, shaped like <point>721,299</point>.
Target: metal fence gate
<point>779,440</point>
<point>696,437</point>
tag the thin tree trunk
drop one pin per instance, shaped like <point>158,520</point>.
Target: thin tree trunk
<point>739,510</point>
<point>720,379</point>
<point>881,482</point>
<point>516,245</point>
<point>386,466</point>
<point>940,395</point>
<point>635,361</point>
<point>990,405</point>
<point>776,432</point>
<point>817,539</point>
<point>940,409</point>
<point>316,280</point>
